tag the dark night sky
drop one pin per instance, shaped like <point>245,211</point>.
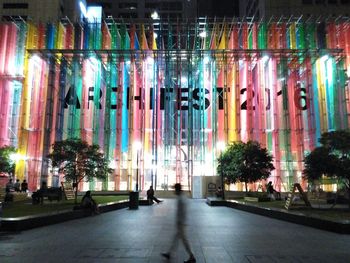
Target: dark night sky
<point>218,8</point>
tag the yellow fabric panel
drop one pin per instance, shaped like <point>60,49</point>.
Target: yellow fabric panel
<point>292,33</point>
<point>223,41</point>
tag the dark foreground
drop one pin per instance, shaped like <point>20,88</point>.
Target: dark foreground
<point>217,234</point>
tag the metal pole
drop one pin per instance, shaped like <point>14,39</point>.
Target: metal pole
<point>137,171</point>
<point>222,185</point>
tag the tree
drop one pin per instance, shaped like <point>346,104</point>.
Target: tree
<point>245,162</point>
<point>331,159</point>
<point>320,162</point>
<point>7,164</point>
<point>79,161</point>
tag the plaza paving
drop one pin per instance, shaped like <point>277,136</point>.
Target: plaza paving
<point>217,234</point>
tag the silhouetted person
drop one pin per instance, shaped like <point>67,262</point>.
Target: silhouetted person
<point>17,186</point>
<point>38,196</point>
<point>9,191</point>
<point>88,203</point>
<point>271,191</point>
<point>24,186</point>
<point>219,192</point>
<point>10,186</point>
<point>151,197</point>
<point>180,227</point>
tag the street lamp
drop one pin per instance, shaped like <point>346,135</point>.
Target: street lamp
<point>17,157</point>
<point>155,15</point>
<point>137,146</point>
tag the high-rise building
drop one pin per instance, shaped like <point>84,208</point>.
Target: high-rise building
<point>277,8</point>
<point>40,10</point>
<point>144,8</point>
<point>222,8</point>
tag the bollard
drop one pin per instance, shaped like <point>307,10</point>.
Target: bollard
<point>0,213</point>
<point>134,200</point>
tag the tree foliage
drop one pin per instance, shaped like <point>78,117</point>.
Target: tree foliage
<point>79,161</point>
<point>331,159</point>
<point>245,162</point>
<point>320,162</point>
<point>7,165</point>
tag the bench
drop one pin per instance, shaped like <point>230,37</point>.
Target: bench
<point>52,193</point>
<point>18,196</point>
<point>12,196</point>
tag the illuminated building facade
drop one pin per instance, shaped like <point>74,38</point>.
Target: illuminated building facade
<point>180,90</point>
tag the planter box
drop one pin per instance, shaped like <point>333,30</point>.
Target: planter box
<point>257,199</point>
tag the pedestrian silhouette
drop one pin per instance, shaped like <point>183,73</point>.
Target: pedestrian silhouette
<point>17,186</point>
<point>180,227</point>
<point>24,186</point>
<point>273,194</point>
<point>151,197</point>
<point>88,202</point>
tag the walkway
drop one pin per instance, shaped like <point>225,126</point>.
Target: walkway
<point>217,234</point>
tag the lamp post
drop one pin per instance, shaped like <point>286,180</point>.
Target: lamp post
<point>137,171</point>
<point>137,147</point>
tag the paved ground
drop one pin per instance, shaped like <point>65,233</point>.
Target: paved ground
<point>217,234</point>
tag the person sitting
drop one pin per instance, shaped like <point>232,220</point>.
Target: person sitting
<point>10,186</point>
<point>273,194</point>
<point>24,186</point>
<point>9,191</point>
<point>88,203</point>
<point>151,197</point>
<point>17,186</point>
<point>38,196</point>
<point>219,192</point>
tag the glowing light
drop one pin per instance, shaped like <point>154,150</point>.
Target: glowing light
<point>94,14</point>
<point>93,61</point>
<point>183,81</point>
<point>264,59</point>
<point>220,146</point>
<point>155,35</point>
<point>82,8</point>
<point>155,15</point>
<point>324,58</point>
<point>137,145</point>
<point>203,34</point>
<point>35,59</point>
<point>15,157</point>
<point>330,70</point>
<point>112,164</point>
<point>206,60</point>
<point>150,60</point>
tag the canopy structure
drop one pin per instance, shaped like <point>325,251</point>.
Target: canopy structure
<point>164,98</point>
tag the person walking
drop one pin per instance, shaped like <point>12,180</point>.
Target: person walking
<point>180,227</point>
